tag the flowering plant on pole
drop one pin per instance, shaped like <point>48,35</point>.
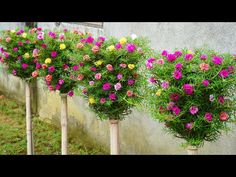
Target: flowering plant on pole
<point>108,74</point>
<point>19,53</point>
<point>191,92</point>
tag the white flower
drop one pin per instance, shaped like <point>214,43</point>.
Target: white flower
<point>133,36</point>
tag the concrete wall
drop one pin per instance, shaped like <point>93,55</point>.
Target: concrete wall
<point>139,134</point>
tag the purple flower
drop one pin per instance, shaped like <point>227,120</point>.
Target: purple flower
<point>193,110</point>
<point>15,49</point>
<point>151,60</point>
<point>118,46</point>
<point>102,39</point>
<point>117,86</point>
<point>208,116</point>
<point>83,40</point>
<point>217,60</point>
<point>98,44</point>
<point>130,47</point>
<point>53,54</point>
<point>188,56</point>
<point>61,81</point>
<point>40,37</point>
<point>14,72</point>
<point>106,86</point>
<point>165,84</point>
<point>152,80</point>
<point>188,89</point>
<point>178,53</point>
<point>24,65</point>
<point>119,76</point>
<point>203,57</point>
<point>205,83</point>
<point>90,39</point>
<point>75,68</point>
<point>178,66</point>
<point>112,96</point>
<point>51,69</point>
<point>131,82</point>
<point>149,65</point>
<point>52,34</point>
<point>38,66</point>
<point>171,57</point>
<point>224,73</point>
<point>164,53</point>
<point>177,74</point>
<point>71,93</point>
<point>176,110</point>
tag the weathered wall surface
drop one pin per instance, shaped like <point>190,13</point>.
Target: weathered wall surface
<point>139,134</point>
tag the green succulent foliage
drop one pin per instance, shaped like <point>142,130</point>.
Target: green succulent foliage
<point>11,41</point>
<point>61,62</point>
<point>202,129</point>
<point>108,54</point>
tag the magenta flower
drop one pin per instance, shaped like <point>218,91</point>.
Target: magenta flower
<point>102,39</point>
<point>174,96</point>
<point>208,116</point>
<point>224,73</point>
<point>27,41</point>
<point>151,60</point>
<point>44,46</point>
<point>130,47</point>
<point>6,54</point>
<point>178,53</point>
<point>65,66</point>
<point>98,44</point>
<point>188,56</point>
<point>24,65</point>
<point>103,100</point>
<point>15,49</point>
<point>221,99</point>
<point>149,65</point>
<point>152,80</point>
<point>19,57</point>
<point>131,82</point>
<point>117,86</point>
<point>53,54</point>
<point>51,69</point>
<point>205,83</point>
<point>170,106</point>
<point>118,46</point>
<point>93,69</point>
<point>38,66</point>
<point>178,66</point>
<point>90,39</point>
<point>61,81</point>
<point>119,76</point>
<point>40,37</point>
<point>75,68</point>
<point>203,57</point>
<point>106,86</point>
<point>160,62</point>
<point>112,96</point>
<point>98,76</point>
<point>171,57</point>
<point>176,110</point>
<point>177,74</point>
<point>81,64</point>
<point>217,60</point>
<point>52,34</point>
<point>71,93</point>
<point>20,43</point>
<point>189,126</point>
<point>188,89</point>
<point>14,72</point>
<point>164,53</point>
<point>57,87</point>
<point>193,110</point>
<point>50,88</point>
<point>165,84</point>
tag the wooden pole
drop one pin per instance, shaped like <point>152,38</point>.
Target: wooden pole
<point>64,122</point>
<point>192,150</point>
<point>114,137</point>
<point>30,147</point>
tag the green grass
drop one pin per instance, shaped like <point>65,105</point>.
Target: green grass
<point>47,137</point>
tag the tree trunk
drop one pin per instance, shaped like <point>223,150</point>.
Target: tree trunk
<point>192,150</point>
<point>30,147</point>
<point>114,137</point>
<point>64,122</point>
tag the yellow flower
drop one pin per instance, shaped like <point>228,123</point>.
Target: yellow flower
<point>158,93</point>
<point>190,52</point>
<point>13,31</point>
<point>24,35</point>
<point>91,100</point>
<point>48,61</point>
<point>131,66</point>
<point>123,40</point>
<point>62,46</point>
<point>98,63</point>
<point>111,48</point>
<point>26,55</point>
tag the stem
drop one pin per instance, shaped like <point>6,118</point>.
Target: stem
<point>64,122</point>
<point>114,137</point>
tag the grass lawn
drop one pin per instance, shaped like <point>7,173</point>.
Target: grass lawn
<point>47,137</point>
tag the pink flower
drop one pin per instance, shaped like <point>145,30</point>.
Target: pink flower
<point>75,67</point>
<point>204,66</point>
<point>117,86</point>
<point>35,53</point>
<point>149,65</point>
<point>6,54</point>
<point>103,100</point>
<point>151,60</point>
<point>178,66</point>
<point>131,82</point>
<point>208,116</point>
<point>217,60</point>
<point>170,106</point>
<point>106,86</point>
<point>231,69</point>
<point>90,39</point>
<point>193,110</point>
<point>203,57</point>
<point>129,93</point>
<point>164,53</point>
<point>81,64</point>
<point>51,69</point>
<point>189,126</point>
<point>50,88</point>
<point>188,89</point>
<point>20,43</point>
<point>80,77</point>
<point>174,96</point>
<point>188,56</point>
<point>52,34</point>
<point>152,80</point>
<point>24,65</point>
<point>123,65</point>
<point>130,47</point>
<point>91,83</point>
<point>93,69</point>
<point>119,76</point>
<point>27,41</point>
<point>109,67</point>
<point>95,49</point>
<point>224,116</point>
<point>71,93</point>
<point>102,39</point>
<point>98,76</point>
<point>160,62</point>
<point>61,37</point>
<point>19,57</point>
<point>8,39</point>
<point>44,46</point>
<point>211,98</point>
<point>171,57</point>
<point>40,37</point>
<point>84,91</point>
<point>205,83</point>
<point>98,44</point>
<point>221,99</point>
<point>118,46</point>
<point>165,84</point>
<point>61,81</point>
<point>53,54</point>
<point>176,110</point>
<point>140,50</point>
<point>112,96</point>
<point>177,74</point>
<point>14,72</point>
<point>58,87</point>
<point>65,66</point>
<point>224,73</point>
<point>15,49</point>
<point>178,53</point>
